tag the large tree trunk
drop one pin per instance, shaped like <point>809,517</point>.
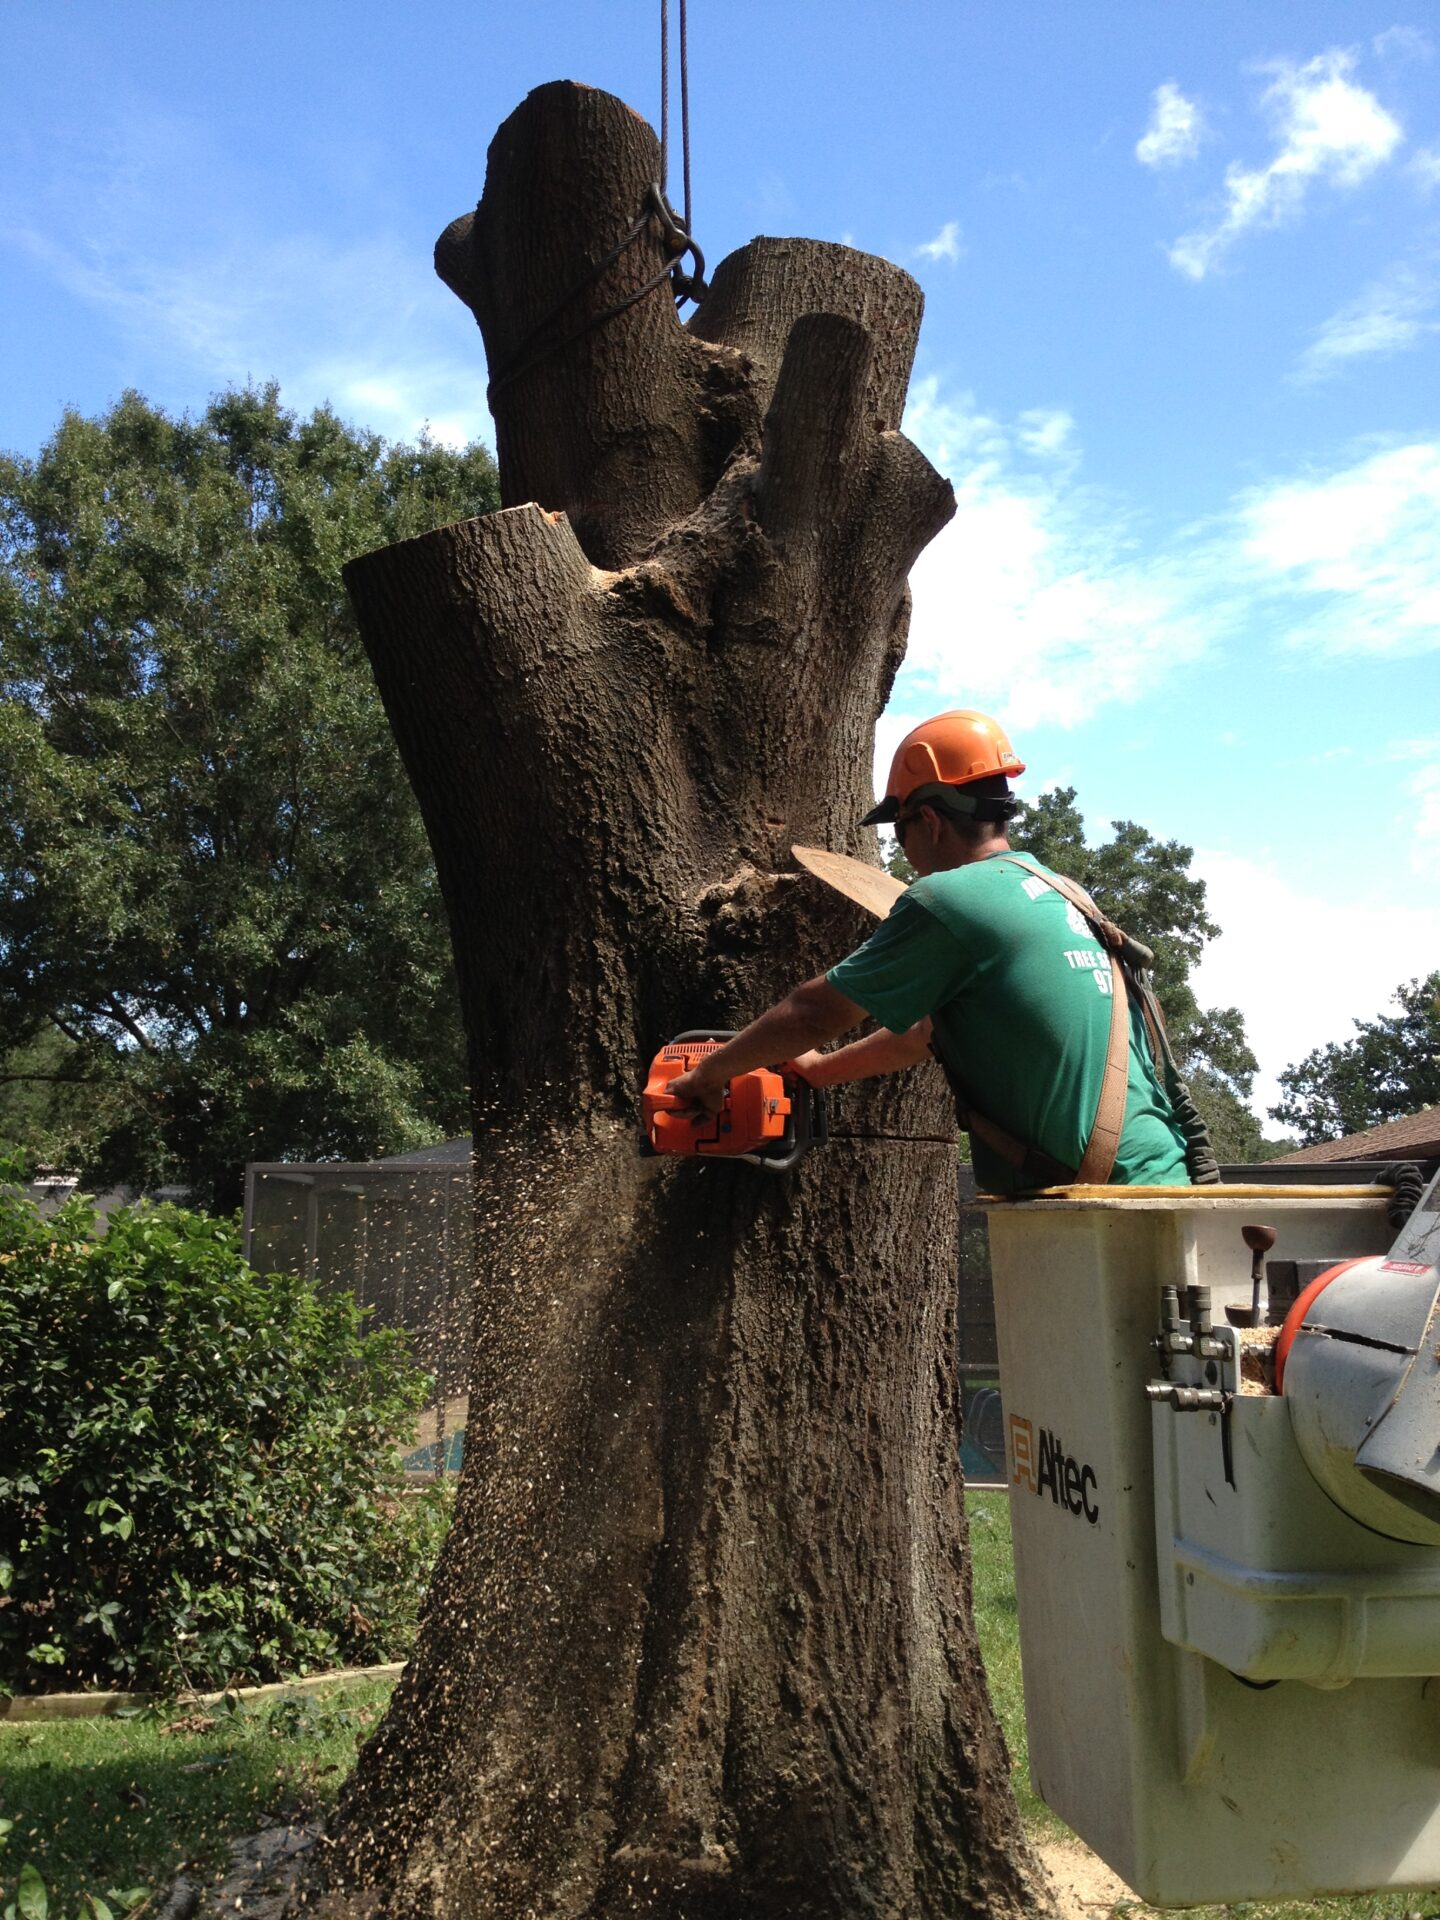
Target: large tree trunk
<point>700,1642</point>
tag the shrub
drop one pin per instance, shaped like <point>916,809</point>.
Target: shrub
<point>198,1476</point>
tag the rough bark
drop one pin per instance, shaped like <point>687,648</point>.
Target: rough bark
<point>700,1643</point>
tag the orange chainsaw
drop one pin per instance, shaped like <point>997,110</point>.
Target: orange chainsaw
<point>770,1117</point>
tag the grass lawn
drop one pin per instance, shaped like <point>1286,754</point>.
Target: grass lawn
<point>101,1804</point>
<point>994,1581</point>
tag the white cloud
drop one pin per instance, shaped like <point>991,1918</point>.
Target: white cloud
<point>1059,617</point>
<point>1358,548</point>
<point>193,274</point>
<point>1175,131</point>
<point>1046,431</point>
<point>947,244</point>
<point>1424,168</point>
<point>1388,317</point>
<point>952,430</point>
<point>1327,129</point>
<point>1291,960</point>
<point>1402,43</point>
<point>1047,599</point>
<point>1421,816</point>
<point>255,308</point>
<point>772,201</point>
<point>1424,792</point>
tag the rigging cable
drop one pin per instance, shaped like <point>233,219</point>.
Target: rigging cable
<point>688,286</point>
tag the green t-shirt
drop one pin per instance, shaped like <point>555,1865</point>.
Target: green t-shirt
<point>1019,994</point>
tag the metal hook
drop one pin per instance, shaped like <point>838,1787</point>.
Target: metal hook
<point>688,286</point>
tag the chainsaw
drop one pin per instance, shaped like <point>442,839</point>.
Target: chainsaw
<point>770,1117</point>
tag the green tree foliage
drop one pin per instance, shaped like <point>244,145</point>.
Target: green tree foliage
<point>1146,886</point>
<point>218,918</point>
<point>1390,1069</point>
<point>198,1474</point>
<point>51,1108</point>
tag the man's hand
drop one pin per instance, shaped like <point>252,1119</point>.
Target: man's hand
<point>698,1092</point>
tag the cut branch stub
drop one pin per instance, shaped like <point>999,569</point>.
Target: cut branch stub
<point>615,438</point>
<point>627,422</point>
<point>818,434</point>
<point>757,294</point>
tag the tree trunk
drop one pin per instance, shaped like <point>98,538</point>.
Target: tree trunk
<point>700,1642</point>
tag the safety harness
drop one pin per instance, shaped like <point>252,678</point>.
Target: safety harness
<point>1130,964</point>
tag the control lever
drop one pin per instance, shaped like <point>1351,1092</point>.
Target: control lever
<point>1259,1240</point>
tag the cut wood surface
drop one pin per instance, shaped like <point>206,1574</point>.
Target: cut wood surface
<point>699,1644</point>
<point>869,887</point>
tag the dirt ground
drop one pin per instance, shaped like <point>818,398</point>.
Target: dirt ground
<point>257,1883</point>
<point>1084,1885</point>
<point>264,1865</point>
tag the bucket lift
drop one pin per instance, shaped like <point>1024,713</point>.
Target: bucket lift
<point>1227,1531</point>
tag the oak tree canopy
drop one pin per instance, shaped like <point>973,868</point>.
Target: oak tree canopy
<point>220,932</point>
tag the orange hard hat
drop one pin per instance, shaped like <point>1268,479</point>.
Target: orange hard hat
<point>949,751</point>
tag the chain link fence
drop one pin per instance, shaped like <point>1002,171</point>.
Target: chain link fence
<point>399,1235</point>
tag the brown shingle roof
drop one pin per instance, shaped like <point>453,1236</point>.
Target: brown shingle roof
<point>1416,1137</point>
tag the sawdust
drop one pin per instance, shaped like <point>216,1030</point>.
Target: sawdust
<point>1257,1359</point>
<point>1085,1888</point>
<point>265,1866</point>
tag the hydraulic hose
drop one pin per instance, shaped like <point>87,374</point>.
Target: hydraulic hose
<point>1200,1157</point>
<point>1407,1183</point>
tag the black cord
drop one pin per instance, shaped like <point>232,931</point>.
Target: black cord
<point>688,286</point>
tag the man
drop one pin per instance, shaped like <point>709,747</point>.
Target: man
<point>984,962</point>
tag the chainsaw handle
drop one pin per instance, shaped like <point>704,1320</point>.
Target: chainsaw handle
<point>667,1102</point>
<point>814,1133</point>
<point>670,1103</point>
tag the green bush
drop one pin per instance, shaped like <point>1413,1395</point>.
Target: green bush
<point>198,1477</point>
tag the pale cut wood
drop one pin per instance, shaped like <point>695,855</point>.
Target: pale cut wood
<point>869,887</point>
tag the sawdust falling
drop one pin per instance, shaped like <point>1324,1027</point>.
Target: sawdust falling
<point>661,1575</point>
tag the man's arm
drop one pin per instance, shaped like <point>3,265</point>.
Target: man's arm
<point>877,1053</point>
<point>801,1022</point>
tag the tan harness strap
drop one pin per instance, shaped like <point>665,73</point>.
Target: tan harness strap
<point>1104,1142</point>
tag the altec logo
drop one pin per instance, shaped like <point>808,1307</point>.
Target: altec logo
<point>1047,1468</point>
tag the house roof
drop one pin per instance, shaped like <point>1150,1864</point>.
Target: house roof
<point>1416,1137</point>
<point>447,1153</point>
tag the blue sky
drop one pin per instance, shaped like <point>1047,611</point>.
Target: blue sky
<point>1181,354</point>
